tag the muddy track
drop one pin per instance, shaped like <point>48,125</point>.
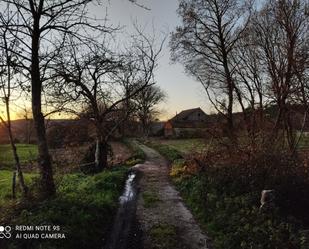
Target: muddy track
<point>125,233</point>
<point>165,221</point>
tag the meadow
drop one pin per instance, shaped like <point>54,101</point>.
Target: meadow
<point>186,146</point>
<point>26,152</point>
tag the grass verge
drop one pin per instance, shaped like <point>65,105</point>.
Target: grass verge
<point>83,208</point>
<point>138,156</point>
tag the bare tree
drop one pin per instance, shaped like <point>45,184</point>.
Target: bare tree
<point>105,82</point>
<point>281,31</point>
<point>7,85</point>
<point>205,44</point>
<point>251,87</point>
<point>40,28</point>
<point>139,5</point>
<point>146,102</point>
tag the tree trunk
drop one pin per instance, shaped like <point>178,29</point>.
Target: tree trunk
<point>144,126</point>
<point>229,82</point>
<point>14,185</point>
<point>19,172</point>
<point>46,182</point>
<point>29,128</point>
<point>101,154</point>
<point>291,134</point>
<point>15,155</point>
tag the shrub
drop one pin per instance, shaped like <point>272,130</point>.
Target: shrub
<point>56,136</point>
<point>75,133</point>
<point>234,221</point>
<point>286,175</point>
<point>224,194</point>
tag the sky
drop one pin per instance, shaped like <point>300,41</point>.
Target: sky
<point>183,91</point>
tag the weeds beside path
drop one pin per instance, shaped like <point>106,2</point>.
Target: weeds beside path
<point>224,198</point>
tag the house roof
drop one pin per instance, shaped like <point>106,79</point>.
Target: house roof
<point>185,113</point>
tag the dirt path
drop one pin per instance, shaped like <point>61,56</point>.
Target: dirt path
<point>165,221</point>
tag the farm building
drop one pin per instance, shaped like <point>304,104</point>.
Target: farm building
<point>190,115</point>
<point>187,123</point>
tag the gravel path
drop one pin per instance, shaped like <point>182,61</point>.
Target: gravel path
<point>165,221</point>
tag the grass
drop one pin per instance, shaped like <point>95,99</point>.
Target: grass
<point>138,155</point>
<point>150,199</point>
<point>167,151</point>
<point>175,149</point>
<point>83,208</point>
<point>164,236</point>
<point>6,184</point>
<point>26,152</point>
<point>234,220</point>
<point>185,146</point>
<point>304,142</point>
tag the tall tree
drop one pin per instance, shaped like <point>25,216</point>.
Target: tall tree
<point>146,102</point>
<point>40,27</point>
<point>281,31</point>
<point>205,43</point>
<point>105,82</point>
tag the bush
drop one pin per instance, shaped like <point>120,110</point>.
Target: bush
<point>56,136</point>
<point>234,221</point>
<point>224,194</point>
<point>72,134</point>
<point>286,175</point>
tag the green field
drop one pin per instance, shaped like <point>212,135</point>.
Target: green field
<point>26,152</point>
<point>186,146</point>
